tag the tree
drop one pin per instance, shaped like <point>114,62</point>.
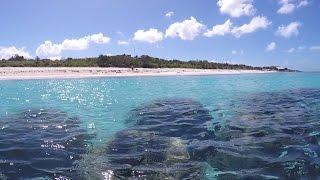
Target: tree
<point>16,58</point>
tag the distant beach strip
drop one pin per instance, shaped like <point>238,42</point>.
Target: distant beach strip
<point>11,73</point>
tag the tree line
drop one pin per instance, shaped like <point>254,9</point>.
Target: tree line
<point>128,61</point>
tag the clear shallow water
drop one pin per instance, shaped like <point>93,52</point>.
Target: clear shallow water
<point>261,126</point>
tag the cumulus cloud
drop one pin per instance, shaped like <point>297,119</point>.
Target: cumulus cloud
<point>149,36</point>
<point>272,46</point>
<point>185,30</point>
<point>8,52</point>
<point>48,49</point>
<point>169,14</point>
<point>53,51</point>
<point>83,43</point>
<point>288,6</point>
<point>315,48</point>
<point>259,22</point>
<point>123,43</point>
<point>303,3</point>
<point>99,38</point>
<point>219,30</point>
<point>289,30</point>
<point>236,8</point>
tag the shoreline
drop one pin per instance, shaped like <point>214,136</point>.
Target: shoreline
<point>21,73</point>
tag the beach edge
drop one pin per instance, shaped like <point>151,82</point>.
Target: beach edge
<point>25,73</point>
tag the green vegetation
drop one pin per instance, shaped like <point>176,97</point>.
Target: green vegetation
<point>127,61</point>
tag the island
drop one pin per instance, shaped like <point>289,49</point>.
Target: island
<point>124,65</point>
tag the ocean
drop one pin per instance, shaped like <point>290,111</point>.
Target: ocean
<point>255,126</point>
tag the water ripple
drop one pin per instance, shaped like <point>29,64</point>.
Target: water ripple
<point>39,143</point>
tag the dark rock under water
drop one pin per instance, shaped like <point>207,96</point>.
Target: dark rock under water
<point>272,136</point>
<point>40,144</point>
<point>157,145</point>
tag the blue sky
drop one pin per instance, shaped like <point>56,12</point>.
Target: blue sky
<point>255,32</point>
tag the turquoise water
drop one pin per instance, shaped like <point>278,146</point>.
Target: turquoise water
<point>103,105</point>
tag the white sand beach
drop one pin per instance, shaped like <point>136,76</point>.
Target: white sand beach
<point>8,73</point>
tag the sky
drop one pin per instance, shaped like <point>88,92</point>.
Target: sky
<point>252,32</point>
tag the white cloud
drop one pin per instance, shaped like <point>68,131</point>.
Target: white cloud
<point>169,14</point>
<point>315,48</point>
<point>237,52</point>
<point>8,52</point>
<point>75,44</point>
<point>259,22</point>
<point>48,49</point>
<point>123,43</point>
<point>299,48</point>
<point>272,46</point>
<point>289,30</point>
<point>149,36</point>
<point>185,30</point>
<point>219,30</point>
<point>303,3</point>
<point>52,51</point>
<point>99,38</point>
<point>236,8</point>
<point>291,50</point>
<point>288,6</point>
<point>83,43</point>
<point>120,33</point>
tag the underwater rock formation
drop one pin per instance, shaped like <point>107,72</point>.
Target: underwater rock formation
<point>156,146</point>
<point>272,136</point>
<point>40,144</point>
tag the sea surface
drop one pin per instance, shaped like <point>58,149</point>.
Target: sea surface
<point>249,126</point>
